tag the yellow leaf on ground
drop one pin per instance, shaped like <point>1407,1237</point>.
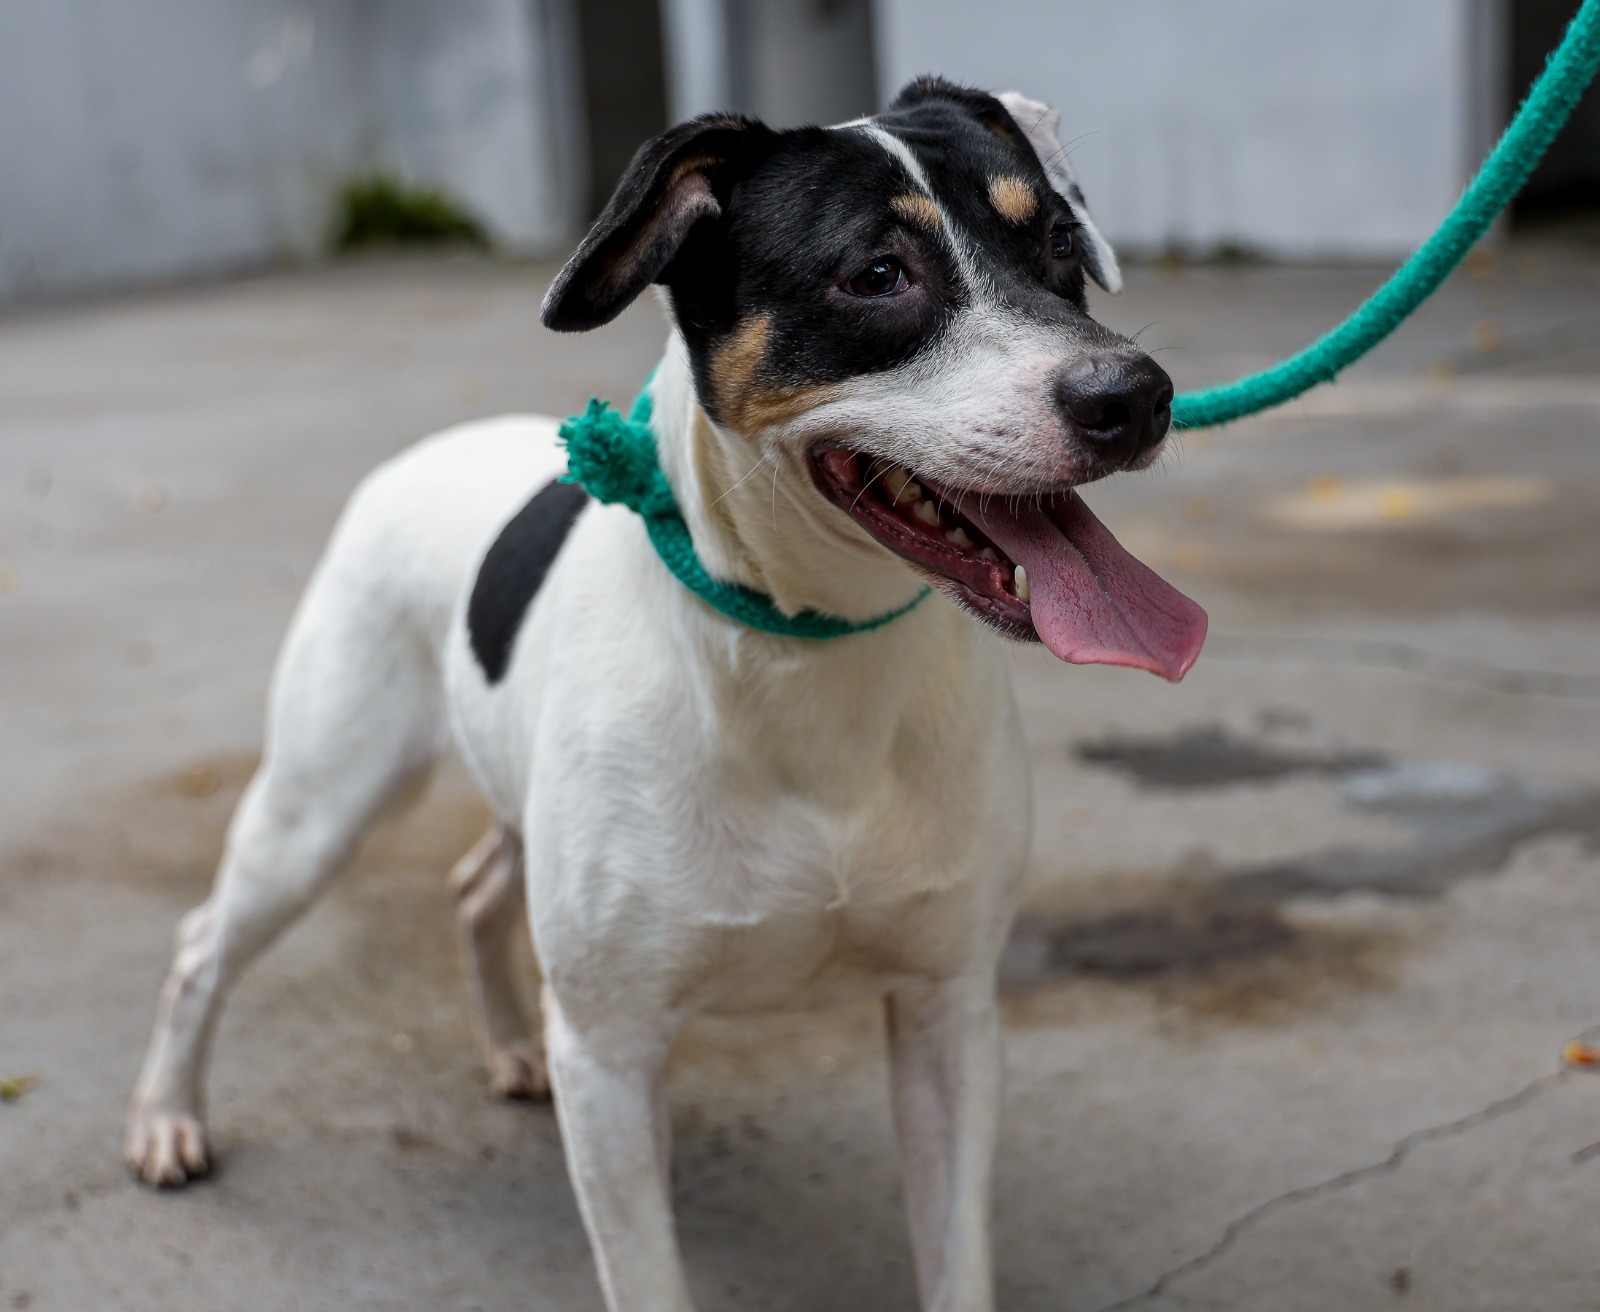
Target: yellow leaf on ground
<point>13,1088</point>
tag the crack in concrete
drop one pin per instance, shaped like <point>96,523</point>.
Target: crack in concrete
<point>1403,1148</point>
<point>1282,649</point>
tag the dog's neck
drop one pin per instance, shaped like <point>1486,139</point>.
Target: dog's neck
<point>756,518</point>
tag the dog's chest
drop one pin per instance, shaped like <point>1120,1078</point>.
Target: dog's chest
<point>747,824</point>
<point>792,846</point>
<point>806,902</point>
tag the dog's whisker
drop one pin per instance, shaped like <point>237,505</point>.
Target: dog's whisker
<point>868,484</point>
<point>765,456</point>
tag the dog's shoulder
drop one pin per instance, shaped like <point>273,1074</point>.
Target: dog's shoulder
<point>514,568</point>
<point>418,528</point>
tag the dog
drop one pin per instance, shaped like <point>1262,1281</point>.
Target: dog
<point>881,376</point>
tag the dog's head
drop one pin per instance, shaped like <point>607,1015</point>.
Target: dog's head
<point>896,306</point>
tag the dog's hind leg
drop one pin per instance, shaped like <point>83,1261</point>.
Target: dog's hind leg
<point>488,885</point>
<point>356,718</point>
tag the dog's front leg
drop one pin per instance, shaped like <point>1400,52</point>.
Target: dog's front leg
<point>607,1083</point>
<point>944,1053</point>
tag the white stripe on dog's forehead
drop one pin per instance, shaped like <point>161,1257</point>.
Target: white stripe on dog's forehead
<point>955,238</point>
<point>901,152</point>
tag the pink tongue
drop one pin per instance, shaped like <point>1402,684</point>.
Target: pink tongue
<point>1093,603</point>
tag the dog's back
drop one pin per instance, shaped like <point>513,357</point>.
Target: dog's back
<point>416,529</point>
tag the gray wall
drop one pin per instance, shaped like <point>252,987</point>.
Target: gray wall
<point>801,61</point>
<point>785,61</point>
<point>1302,130</point>
<point>146,140</point>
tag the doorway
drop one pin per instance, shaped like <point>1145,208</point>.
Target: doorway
<point>624,86</point>
<point>1565,188</point>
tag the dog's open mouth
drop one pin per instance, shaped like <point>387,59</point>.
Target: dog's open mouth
<point>1034,567</point>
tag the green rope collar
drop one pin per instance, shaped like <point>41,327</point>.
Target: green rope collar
<point>614,460</point>
<point>1569,70</point>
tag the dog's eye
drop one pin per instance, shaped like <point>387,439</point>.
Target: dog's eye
<point>1061,240</point>
<point>883,277</point>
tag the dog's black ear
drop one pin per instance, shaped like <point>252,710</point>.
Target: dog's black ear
<point>675,181</point>
<point>982,105</point>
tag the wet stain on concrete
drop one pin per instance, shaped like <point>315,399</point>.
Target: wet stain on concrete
<point>1230,942</point>
<point>1214,961</point>
<point>1212,757</point>
<point>1217,942</point>
<point>1464,822</point>
<point>1131,944</point>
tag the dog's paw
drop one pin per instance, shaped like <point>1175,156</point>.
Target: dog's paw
<point>517,1070</point>
<point>166,1149</point>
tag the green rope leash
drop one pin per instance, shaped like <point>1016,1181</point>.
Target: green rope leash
<point>1567,73</point>
<point>614,459</point>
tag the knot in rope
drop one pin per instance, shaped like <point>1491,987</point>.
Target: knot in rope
<point>614,459</point>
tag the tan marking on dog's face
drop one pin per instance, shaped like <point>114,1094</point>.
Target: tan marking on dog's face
<point>917,210</point>
<point>772,407</point>
<point>744,403</point>
<point>1014,198</point>
<point>737,360</point>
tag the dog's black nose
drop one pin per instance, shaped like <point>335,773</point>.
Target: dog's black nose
<point>1118,407</point>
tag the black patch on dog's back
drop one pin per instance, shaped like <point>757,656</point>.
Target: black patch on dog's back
<point>512,570</point>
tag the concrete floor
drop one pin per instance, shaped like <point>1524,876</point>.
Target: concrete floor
<point>1304,938</point>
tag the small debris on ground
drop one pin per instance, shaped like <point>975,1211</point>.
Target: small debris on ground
<point>13,1088</point>
<point>1580,1055</point>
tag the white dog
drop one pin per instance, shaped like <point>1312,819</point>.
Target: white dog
<point>882,376</point>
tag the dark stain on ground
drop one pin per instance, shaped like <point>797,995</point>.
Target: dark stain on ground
<point>1463,823</point>
<point>1211,757</point>
<point>401,966</point>
<point>1217,944</point>
<point>1203,960</point>
<point>1219,941</point>
<point>1129,944</point>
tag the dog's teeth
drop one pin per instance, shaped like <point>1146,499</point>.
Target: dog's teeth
<point>927,513</point>
<point>900,486</point>
<point>989,553</point>
<point>958,535</point>
<point>1020,583</point>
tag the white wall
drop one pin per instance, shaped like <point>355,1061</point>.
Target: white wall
<point>1299,129</point>
<point>143,140</point>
